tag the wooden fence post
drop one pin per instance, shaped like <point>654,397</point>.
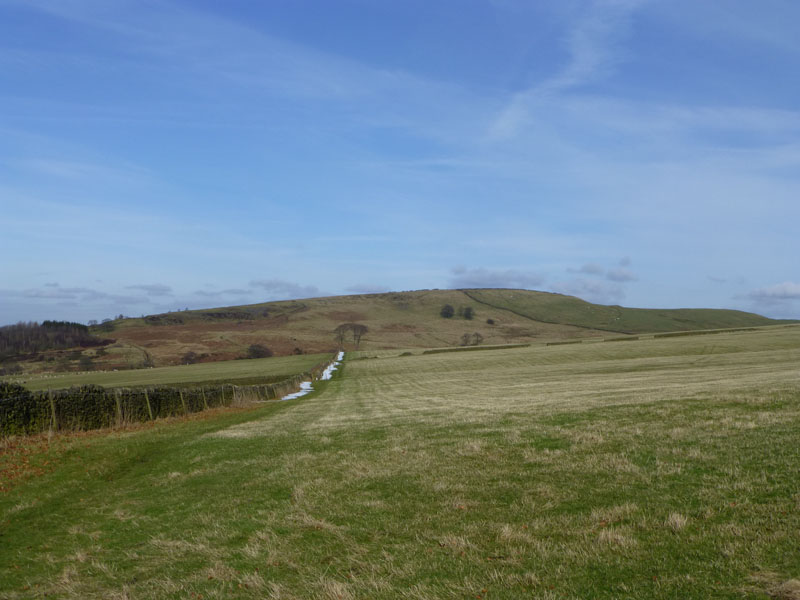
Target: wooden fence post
<point>147,399</point>
<point>183,402</point>
<point>119,407</point>
<point>205,403</point>
<point>53,420</point>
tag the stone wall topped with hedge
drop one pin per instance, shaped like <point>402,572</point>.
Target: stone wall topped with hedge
<point>92,407</point>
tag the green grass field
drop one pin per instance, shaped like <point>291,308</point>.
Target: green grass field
<point>231,371</point>
<point>657,468</point>
<point>557,308</point>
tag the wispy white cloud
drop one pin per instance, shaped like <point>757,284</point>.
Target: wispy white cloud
<point>576,174</point>
<point>195,46</point>
<point>621,275</point>
<point>221,293</point>
<point>593,47</point>
<point>85,295</point>
<point>788,290</point>
<point>152,289</point>
<point>781,300</point>
<point>77,170</point>
<point>732,22</point>
<point>481,277</point>
<point>592,290</point>
<point>367,288</point>
<point>589,269</point>
<point>282,289</point>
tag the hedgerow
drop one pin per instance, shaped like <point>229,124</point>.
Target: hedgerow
<point>93,407</point>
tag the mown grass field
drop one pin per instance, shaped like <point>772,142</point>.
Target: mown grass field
<point>659,468</point>
<point>231,371</point>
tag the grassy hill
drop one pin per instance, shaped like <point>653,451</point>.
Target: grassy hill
<point>395,320</point>
<point>399,320</point>
<point>569,310</point>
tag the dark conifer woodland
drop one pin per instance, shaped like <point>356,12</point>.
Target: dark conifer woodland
<point>28,338</point>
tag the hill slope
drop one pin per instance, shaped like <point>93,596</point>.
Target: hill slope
<point>395,320</point>
<point>557,308</point>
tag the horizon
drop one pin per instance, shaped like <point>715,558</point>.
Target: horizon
<point>209,307</point>
<point>192,154</point>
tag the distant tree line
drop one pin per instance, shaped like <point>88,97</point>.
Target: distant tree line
<point>29,338</point>
<point>465,312</point>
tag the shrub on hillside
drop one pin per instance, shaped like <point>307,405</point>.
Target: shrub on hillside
<point>447,311</point>
<point>258,351</point>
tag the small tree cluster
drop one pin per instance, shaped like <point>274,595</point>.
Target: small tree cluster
<point>465,312</point>
<point>357,330</point>
<point>471,339</point>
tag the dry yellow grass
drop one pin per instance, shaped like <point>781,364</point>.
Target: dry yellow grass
<point>662,468</point>
<point>479,387</point>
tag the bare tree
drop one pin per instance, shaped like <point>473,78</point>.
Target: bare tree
<point>471,339</point>
<point>340,333</point>
<point>358,330</point>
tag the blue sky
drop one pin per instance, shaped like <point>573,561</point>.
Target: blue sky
<point>157,155</point>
